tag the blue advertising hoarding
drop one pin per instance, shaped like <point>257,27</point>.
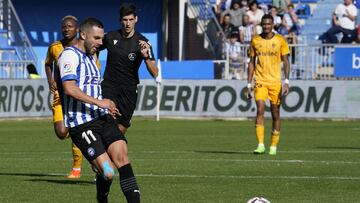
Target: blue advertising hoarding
<point>347,62</point>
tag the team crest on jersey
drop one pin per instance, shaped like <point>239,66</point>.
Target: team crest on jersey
<point>273,45</point>
<point>115,41</point>
<point>132,56</point>
<point>91,151</point>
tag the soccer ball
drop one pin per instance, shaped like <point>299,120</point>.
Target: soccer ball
<point>258,200</point>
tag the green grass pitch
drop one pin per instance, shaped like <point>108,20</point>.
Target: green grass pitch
<point>191,161</point>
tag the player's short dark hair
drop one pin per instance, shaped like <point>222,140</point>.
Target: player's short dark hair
<point>267,16</point>
<point>89,23</point>
<point>127,9</point>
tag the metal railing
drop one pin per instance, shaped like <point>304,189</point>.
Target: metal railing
<point>14,69</point>
<point>307,62</point>
<point>15,48</point>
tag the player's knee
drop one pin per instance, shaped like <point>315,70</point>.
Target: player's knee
<point>61,134</point>
<point>121,159</point>
<point>108,171</point>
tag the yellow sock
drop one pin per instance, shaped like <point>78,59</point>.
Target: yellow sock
<point>260,133</point>
<point>275,136</point>
<point>77,156</point>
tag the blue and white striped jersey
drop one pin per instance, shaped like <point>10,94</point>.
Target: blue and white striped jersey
<point>76,65</point>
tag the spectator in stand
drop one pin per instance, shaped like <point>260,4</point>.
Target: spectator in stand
<point>236,14</point>
<point>343,22</point>
<point>244,5</point>
<point>221,6</point>
<point>281,5</point>
<point>287,32</point>
<point>227,27</point>
<point>255,14</point>
<point>291,19</point>
<point>277,19</point>
<point>247,30</point>
<point>233,47</point>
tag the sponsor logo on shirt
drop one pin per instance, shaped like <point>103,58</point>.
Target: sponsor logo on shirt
<point>132,56</point>
<point>67,68</point>
<point>115,41</point>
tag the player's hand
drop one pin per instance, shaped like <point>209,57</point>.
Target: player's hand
<point>286,89</point>
<point>109,105</point>
<point>52,86</point>
<point>144,48</point>
<point>248,94</point>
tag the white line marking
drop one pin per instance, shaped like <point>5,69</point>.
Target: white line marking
<point>326,162</point>
<point>251,177</point>
<point>255,160</point>
<point>204,152</point>
<point>223,176</point>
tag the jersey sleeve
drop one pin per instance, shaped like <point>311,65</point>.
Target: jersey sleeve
<point>68,63</point>
<point>284,47</point>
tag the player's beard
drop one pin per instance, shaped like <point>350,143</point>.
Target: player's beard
<point>89,48</point>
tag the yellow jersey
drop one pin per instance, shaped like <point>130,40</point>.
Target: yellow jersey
<point>52,57</point>
<point>268,53</point>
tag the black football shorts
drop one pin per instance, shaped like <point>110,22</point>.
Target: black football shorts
<point>93,138</point>
<point>125,99</point>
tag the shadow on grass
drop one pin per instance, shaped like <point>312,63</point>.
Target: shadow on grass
<point>334,147</point>
<point>65,181</point>
<point>223,152</point>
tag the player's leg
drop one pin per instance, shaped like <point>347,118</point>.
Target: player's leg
<point>261,94</point>
<point>88,138</point>
<point>62,132</point>
<point>275,100</point>
<point>119,155</point>
<point>104,176</point>
<point>75,173</point>
<point>116,145</point>
<point>59,127</point>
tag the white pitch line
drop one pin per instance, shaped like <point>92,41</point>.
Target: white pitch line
<point>255,160</point>
<point>201,152</point>
<point>224,176</point>
<point>250,177</point>
<point>326,162</point>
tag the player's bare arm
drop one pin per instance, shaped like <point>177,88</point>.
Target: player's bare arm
<point>51,82</point>
<point>285,59</point>
<point>71,89</point>
<point>150,64</point>
<point>251,68</point>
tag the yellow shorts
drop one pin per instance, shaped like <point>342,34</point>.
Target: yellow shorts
<point>268,91</point>
<point>57,108</point>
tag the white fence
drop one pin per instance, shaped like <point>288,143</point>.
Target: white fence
<point>307,62</point>
<point>14,69</point>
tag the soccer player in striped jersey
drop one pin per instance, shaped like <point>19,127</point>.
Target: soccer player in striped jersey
<point>69,30</point>
<point>268,50</point>
<point>91,128</point>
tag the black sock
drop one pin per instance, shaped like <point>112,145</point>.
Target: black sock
<point>102,188</point>
<point>128,184</point>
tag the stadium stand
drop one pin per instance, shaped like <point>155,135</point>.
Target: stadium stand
<point>15,48</point>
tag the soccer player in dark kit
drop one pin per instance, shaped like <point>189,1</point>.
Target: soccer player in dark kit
<point>126,50</point>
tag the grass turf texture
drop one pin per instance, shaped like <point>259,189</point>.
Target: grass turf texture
<point>191,161</point>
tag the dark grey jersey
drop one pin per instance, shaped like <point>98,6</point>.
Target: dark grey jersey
<point>123,59</point>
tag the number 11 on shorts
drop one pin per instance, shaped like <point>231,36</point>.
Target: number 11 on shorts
<point>85,135</point>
